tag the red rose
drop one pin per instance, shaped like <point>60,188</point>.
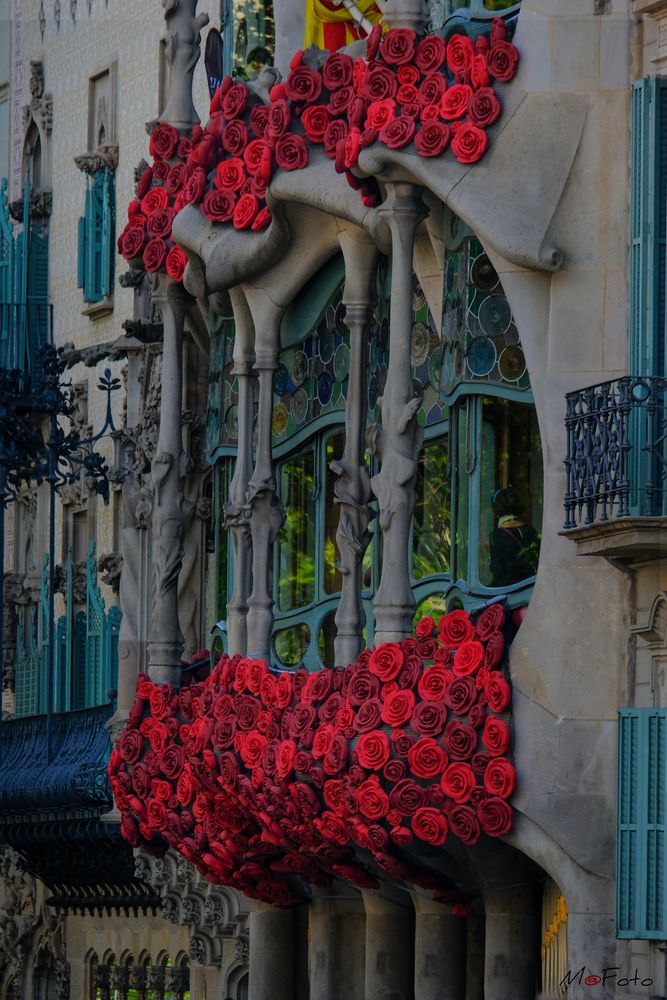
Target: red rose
<point>479,763</point>
<point>315,120</point>
<point>430,54</point>
<point>398,707</point>
<point>323,740</point>
<point>332,828</point>
<point>430,113</point>
<point>430,825</point>
<point>464,824</point>
<point>194,187</point>
<point>495,647</point>
<point>425,627</point>
<point>401,836</point>
<point>398,46</point>
<point>460,52</point>
<point>291,152</point>
<point>132,241</point>
<point>408,74</point>
<point>245,211</point>
<point>163,140</point>
<point>155,253</point>
<point>495,815</point>
<point>458,781</point>
<point>130,746</point>
<point>386,661</point>
<point>484,109</point>
<point>496,736</point>
<point>468,658</point>
<point>144,182</point>
<point>394,770</point>
<point>373,750</point>
<point>502,60</point>
<point>470,143</point>
<point>176,178</point>
<point>230,174</point>
<point>340,100</point>
<point>380,112</point>
<point>432,138</point>
<point>413,668</point>
<point>262,219</point>
<point>498,692</point>
<point>156,814</point>
<point>235,138</point>
<point>407,94</point>
<point>368,715</point>
<point>284,690</point>
<point>373,42</point>
<point>234,102</point>
<point>253,749</point>
<point>337,755</point>
<point>156,199</point>
<point>371,799</point>
<point>432,89</point>
<point>218,205</point>
<point>459,740</point>
<point>479,72</point>
<point>159,225</point>
<point>176,262</point>
<point>455,102</point>
<point>397,133</point>
<point>279,119</point>
<point>259,118</point>
<point>184,148</point>
<point>499,777</point>
<point>406,797</point>
<point>426,758</point>
<point>476,716</point>
<point>303,85</point>
<point>337,71</point>
<point>160,170</point>
<point>402,742</point>
<point>481,678</point>
<point>461,695</point>
<point>380,82</point>
<point>456,628</point>
<point>336,132</point>
<point>491,620</point>
<point>428,718</point>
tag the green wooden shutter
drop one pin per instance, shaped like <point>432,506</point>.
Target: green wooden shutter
<point>642,824</point>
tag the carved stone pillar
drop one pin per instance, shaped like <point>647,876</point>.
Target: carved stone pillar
<point>398,441</point>
<point>389,948</point>
<point>336,933</point>
<point>352,489</point>
<point>272,958</point>
<point>119,981</point>
<point>237,520</point>
<point>165,640</point>
<point>155,980</point>
<point>512,943</point>
<point>138,981</point>
<point>440,952</point>
<point>182,53</point>
<point>101,976</point>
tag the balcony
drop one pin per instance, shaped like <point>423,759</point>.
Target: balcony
<point>616,462</point>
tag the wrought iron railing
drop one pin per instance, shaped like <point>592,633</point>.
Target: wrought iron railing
<point>616,451</point>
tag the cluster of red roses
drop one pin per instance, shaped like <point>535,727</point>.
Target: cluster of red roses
<point>254,776</point>
<point>408,89</point>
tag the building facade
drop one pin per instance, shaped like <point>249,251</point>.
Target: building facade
<point>446,394</point>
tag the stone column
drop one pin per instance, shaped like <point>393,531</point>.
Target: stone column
<point>237,520</point>
<point>352,489</point>
<point>440,952</point>
<point>165,640</point>
<point>512,949</point>
<point>182,52</point>
<point>475,959</point>
<point>591,942</point>
<point>272,940</point>
<point>399,440</point>
<point>390,935</point>
<point>336,932</point>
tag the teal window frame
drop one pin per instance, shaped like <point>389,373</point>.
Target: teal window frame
<point>478,8</point>
<point>641,875</point>
<point>96,237</point>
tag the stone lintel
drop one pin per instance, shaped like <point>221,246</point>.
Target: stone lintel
<point>624,540</point>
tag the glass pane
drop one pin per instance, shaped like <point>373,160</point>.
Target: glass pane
<point>332,576</point>
<point>221,560</point>
<point>431,537</point>
<point>296,542</point>
<point>325,639</point>
<point>511,493</point>
<point>461,499</point>
<point>291,644</point>
<point>254,37</point>
<point>432,606</point>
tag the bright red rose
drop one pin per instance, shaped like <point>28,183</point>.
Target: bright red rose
<point>432,138</point>
<point>397,133</point>
<point>337,71</point>
<point>460,52</point>
<point>484,108</point>
<point>498,692</point>
<point>408,74</point>
<point>398,46</point>
<point>157,198</point>
<point>332,828</point>
<point>495,815</point>
<point>315,120</point>
<point>284,690</point>
<point>495,647</point>
<point>496,736</point>
<point>155,254</point>
<point>464,824</point>
<point>132,242</point>
<point>373,42</point>
<point>373,750</point>
<point>245,211</point>
<point>502,61</point>
<point>230,174</point>
<point>430,113</point>
<point>262,219</point>
<point>371,799</point>
<point>303,85</point>
<point>218,205</point>
<point>456,628</point>
<point>425,627</point>
<point>176,263</point>
<point>434,682</point>
<point>470,143</point>
<point>235,138</point>
<point>455,102</point>
<point>234,102</point>
<point>193,191</point>
<point>398,707</point>
<point>500,777</point>
<point>458,781</point>
<point>386,661</point>
<point>163,140</point>
<point>428,718</point>
<point>380,112</point>
<point>407,94</point>
<point>406,797</point>
<point>159,223</point>
<point>430,54</point>
<point>468,658</point>
<point>430,825</point>
<point>322,741</point>
<point>426,758</point>
<point>459,740</point>
<point>291,152</point>
<point>253,749</point>
<point>156,814</point>
<point>380,83</point>
<point>479,72</point>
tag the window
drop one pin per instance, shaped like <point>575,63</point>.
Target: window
<point>96,248</point>
<point>251,42</point>
<point>482,6</point>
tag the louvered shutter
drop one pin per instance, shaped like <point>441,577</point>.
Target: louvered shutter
<point>79,666</point>
<point>642,789</point>
<point>107,234</point>
<point>81,253</point>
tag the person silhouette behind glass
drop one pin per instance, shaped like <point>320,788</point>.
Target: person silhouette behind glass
<point>514,545</point>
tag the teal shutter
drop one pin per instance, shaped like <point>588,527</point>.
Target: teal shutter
<point>642,824</point>
<point>37,296</point>
<point>79,666</point>
<point>82,233</point>
<point>107,235</point>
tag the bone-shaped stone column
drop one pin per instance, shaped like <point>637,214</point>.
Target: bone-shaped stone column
<point>399,440</point>
<point>182,53</point>
<point>352,489</point>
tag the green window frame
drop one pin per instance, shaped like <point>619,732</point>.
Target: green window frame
<point>96,237</point>
<point>641,892</point>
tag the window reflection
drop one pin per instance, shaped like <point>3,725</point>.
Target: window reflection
<point>291,644</point>
<point>332,576</point>
<point>296,542</point>
<point>431,538</point>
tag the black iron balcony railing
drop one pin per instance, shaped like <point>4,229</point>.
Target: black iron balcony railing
<point>24,329</point>
<point>616,451</point>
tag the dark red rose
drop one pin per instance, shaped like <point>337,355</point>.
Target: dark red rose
<point>394,770</point>
<point>279,119</point>
<point>224,732</point>
<point>398,46</point>
<point>247,710</point>
<point>155,254</point>
<point>459,53</point>
<point>484,109</point>
<point>495,647</point>
<point>495,815</point>
<point>259,118</point>
<point>144,182</point>
<point>379,113</point>
<point>407,94</point>
<point>337,71</point>
<point>315,120</point>
<point>432,138</point>
<point>373,750</point>
<point>339,101</point>
<point>132,242</point>
<point>499,777</point>
<point>291,152</point>
<point>476,716</point>
<point>303,719</point>
<point>156,199</point>
<point>386,661</point>
<point>371,799</point>
<point>337,755</point>
<point>176,178</point>
<point>373,43</point>
<point>411,672</point>
<point>497,691</point>
<point>470,143</point>
<point>323,740</point>
<point>368,715</point>
<point>380,83</point>
<point>425,628</point>
<point>456,628</point>
<point>284,690</point>
<point>491,620</point>
<point>496,736</point>
<point>461,695</point>
<point>245,211</point>
<point>163,140</point>
<point>330,707</point>
<point>285,758</point>
<point>160,170</point>
<point>409,645</point>
<point>193,191</point>
<point>176,263</point>
<point>332,828</point>
<point>378,837</point>
<point>408,74</point>
<point>463,823</point>
<point>428,718</point>
<point>454,106</point>
<point>432,89</point>
<point>234,102</point>
<point>502,60</point>
<point>216,126</point>
<point>429,113</point>
<point>426,758</point>
<point>459,740</point>
<point>336,132</point>
<point>479,763</point>
<point>363,686</point>
<point>159,227</point>
<point>141,780</point>
<point>218,205</point>
<point>406,797</point>
<point>230,175</point>
<point>426,648</point>
<point>235,138</point>
<point>458,781</point>
<point>430,825</point>
<point>402,742</point>
<point>303,85</point>
<point>398,707</point>
<point>184,148</point>
<point>430,53</point>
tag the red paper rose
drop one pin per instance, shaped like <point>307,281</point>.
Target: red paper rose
<point>193,192</point>
<point>132,242</point>
<point>432,139</point>
<point>430,54</point>
<point>234,102</point>
<point>495,816</point>
<point>379,83</point>
<point>406,797</point>
<point>455,102</point>
<point>495,647</point>
<point>397,133</point>
<point>428,718</point>
<point>426,758</point>
<point>456,628</point>
<point>434,682</point>
<point>460,53</point>
<point>458,781</point>
<point>468,658</point>
<point>379,113</point>
<point>430,825</point>
<point>465,825</point>
<point>496,736</point>
<point>291,152</point>
<point>498,692</point>
<point>461,695</point>
<point>425,627</point>
<point>398,46</point>
<point>373,750</point>
<point>235,138</point>
<point>218,205</point>
<point>491,620</point>
<point>315,120</point>
<point>459,740</point>
<point>484,109</point>
<point>499,777</point>
<point>398,707</point>
<point>408,74</point>
<point>371,799</point>
<point>502,61</point>
<point>176,178</point>
<point>279,119</point>
<point>155,199</point>
<point>155,253</point>
<point>245,211</point>
<point>386,661</point>
<point>230,174</point>
<point>159,227</point>
<point>336,132</point>
<point>163,140</point>
<point>337,71</point>
<point>407,94</point>
<point>176,263</point>
<point>303,85</point>
<point>470,143</point>
<point>479,72</point>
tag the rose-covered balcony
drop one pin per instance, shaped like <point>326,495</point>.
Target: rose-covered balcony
<point>616,462</point>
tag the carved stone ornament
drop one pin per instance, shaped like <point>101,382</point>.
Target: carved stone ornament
<point>110,565</point>
<point>182,53</point>
<point>18,914</point>
<point>40,107</point>
<point>40,205</point>
<point>105,156</point>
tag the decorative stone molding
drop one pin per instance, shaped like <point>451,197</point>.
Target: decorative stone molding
<point>18,918</point>
<point>110,564</point>
<point>40,205</point>
<point>104,157</point>
<point>40,107</point>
